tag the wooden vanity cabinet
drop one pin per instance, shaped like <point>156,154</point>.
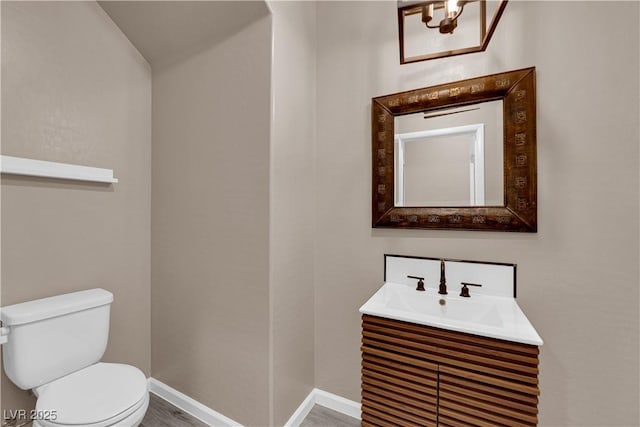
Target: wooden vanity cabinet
<point>415,375</point>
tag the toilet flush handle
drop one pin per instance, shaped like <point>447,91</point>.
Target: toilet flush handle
<point>4,334</point>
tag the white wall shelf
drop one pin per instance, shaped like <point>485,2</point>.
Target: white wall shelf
<point>41,168</point>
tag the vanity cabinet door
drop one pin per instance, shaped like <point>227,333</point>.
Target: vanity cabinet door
<point>487,382</point>
<point>467,398</point>
<point>399,384</point>
<point>420,375</point>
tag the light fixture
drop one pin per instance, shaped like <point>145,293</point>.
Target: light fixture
<point>452,10</point>
<point>415,17</point>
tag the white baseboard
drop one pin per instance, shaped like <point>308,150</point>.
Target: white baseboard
<point>338,403</point>
<point>303,410</point>
<point>328,400</point>
<point>190,406</point>
<point>214,418</point>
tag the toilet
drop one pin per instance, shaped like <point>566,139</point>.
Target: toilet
<point>53,346</point>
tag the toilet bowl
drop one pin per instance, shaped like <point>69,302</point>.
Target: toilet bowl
<point>54,346</point>
<point>104,394</point>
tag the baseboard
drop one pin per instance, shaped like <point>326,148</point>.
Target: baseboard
<point>190,406</point>
<point>328,400</point>
<point>214,418</point>
<point>338,403</point>
<point>303,410</point>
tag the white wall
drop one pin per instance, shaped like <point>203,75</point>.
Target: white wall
<point>74,90</point>
<point>292,205</point>
<point>578,276</point>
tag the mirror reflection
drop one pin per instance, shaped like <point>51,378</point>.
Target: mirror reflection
<point>452,157</point>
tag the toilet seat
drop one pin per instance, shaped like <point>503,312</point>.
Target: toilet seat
<point>132,417</point>
<point>100,395</point>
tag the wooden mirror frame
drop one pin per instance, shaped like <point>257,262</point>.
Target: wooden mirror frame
<point>517,90</point>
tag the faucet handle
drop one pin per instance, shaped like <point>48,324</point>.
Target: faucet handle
<point>464,292</point>
<point>420,286</point>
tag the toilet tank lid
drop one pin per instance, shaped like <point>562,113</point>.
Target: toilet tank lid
<point>46,308</point>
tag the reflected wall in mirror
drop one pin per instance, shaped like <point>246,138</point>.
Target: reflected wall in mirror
<point>460,155</point>
<point>450,158</point>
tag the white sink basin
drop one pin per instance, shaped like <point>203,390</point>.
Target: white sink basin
<point>489,316</point>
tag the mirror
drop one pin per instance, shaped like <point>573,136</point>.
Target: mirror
<point>450,158</point>
<point>460,155</point>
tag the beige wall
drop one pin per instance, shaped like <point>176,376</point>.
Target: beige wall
<point>292,201</point>
<point>578,276</point>
<point>210,225</point>
<point>436,171</point>
<point>74,90</point>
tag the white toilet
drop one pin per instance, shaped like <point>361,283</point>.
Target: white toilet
<point>54,346</point>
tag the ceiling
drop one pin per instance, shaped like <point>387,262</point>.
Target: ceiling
<point>165,31</point>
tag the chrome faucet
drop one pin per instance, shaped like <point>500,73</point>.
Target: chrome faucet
<point>443,280</point>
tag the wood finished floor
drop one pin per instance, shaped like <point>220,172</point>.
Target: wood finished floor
<point>325,417</point>
<point>163,414</point>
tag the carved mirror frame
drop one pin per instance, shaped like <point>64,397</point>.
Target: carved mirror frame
<point>517,90</point>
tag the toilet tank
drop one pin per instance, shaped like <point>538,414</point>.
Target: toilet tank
<point>52,337</point>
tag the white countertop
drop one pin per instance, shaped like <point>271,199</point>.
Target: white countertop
<point>489,316</point>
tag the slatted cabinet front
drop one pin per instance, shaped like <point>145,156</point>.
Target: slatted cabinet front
<point>415,375</point>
